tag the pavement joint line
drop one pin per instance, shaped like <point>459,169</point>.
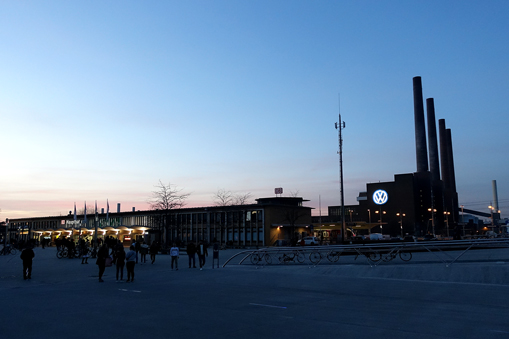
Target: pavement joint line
<point>264,305</point>
<point>435,281</point>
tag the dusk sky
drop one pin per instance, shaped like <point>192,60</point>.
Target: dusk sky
<point>102,99</point>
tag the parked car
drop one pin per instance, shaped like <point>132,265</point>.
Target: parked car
<point>429,237</point>
<point>311,241</point>
<point>376,236</point>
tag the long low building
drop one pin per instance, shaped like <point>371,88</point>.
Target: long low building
<point>259,224</point>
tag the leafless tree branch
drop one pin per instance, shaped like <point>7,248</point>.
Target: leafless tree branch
<point>167,197</point>
<point>223,198</point>
<point>242,199</point>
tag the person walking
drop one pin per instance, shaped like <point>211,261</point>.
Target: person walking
<point>130,258</point>
<point>202,252</point>
<point>120,261</point>
<point>215,253</point>
<point>27,255</point>
<point>191,251</point>
<point>137,247</point>
<point>84,252</point>
<point>174,254</point>
<point>154,248</point>
<point>144,252</point>
<point>102,254</point>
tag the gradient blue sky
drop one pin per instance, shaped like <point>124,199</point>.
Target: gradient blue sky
<point>102,99</point>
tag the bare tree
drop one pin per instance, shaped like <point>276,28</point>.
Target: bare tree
<point>223,198</point>
<point>294,194</point>
<point>81,211</point>
<point>242,199</point>
<point>226,198</point>
<point>165,199</point>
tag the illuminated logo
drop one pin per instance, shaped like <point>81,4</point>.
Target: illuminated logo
<point>380,197</point>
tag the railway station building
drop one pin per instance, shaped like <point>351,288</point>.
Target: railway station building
<point>263,223</point>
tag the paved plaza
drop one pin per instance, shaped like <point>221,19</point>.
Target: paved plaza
<point>419,299</point>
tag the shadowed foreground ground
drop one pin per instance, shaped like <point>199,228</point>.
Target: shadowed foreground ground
<point>416,300</point>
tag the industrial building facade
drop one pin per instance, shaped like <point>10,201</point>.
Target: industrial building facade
<point>419,203</point>
<point>260,224</point>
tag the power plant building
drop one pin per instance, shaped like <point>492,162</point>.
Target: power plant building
<point>419,203</point>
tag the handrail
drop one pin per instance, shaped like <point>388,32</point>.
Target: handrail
<point>379,252</point>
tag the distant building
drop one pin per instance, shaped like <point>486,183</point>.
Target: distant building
<point>259,224</point>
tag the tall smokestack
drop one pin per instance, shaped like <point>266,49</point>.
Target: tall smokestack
<point>450,158</point>
<point>118,207</point>
<point>452,176</point>
<point>434,166</point>
<point>495,195</point>
<point>444,159</point>
<point>420,129</point>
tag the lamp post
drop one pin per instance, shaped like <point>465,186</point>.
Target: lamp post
<point>447,221</point>
<point>432,210</point>
<point>492,221</point>
<point>369,219</point>
<point>463,219</point>
<point>401,215</point>
<point>381,212</point>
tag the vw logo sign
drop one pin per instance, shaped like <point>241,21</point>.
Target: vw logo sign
<point>380,197</point>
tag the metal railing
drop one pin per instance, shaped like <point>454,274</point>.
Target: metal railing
<point>373,252</point>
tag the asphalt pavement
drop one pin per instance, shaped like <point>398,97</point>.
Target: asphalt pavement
<point>419,299</point>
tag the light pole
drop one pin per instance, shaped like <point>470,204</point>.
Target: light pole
<point>463,219</point>
<point>447,221</point>
<point>401,215</point>
<point>339,127</point>
<point>381,212</point>
<point>432,210</point>
<point>491,210</point>
<point>369,214</point>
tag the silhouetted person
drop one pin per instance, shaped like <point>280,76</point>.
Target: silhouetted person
<point>154,248</point>
<point>191,251</point>
<point>174,254</point>
<point>102,254</point>
<point>143,252</point>
<point>27,255</point>
<point>120,261</point>
<point>215,253</point>
<point>130,263</point>
<point>84,252</point>
<point>202,253</point>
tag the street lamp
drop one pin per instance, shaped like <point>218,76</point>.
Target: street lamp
<point>492,221</point>
<point>401,215</point>
<point>381,212</point>
<point>447,221</point>
<point>463,219</point>
<point>369,213</point>
<point>432,210</point>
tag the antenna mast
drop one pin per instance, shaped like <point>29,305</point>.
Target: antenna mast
<point>339,127</point>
